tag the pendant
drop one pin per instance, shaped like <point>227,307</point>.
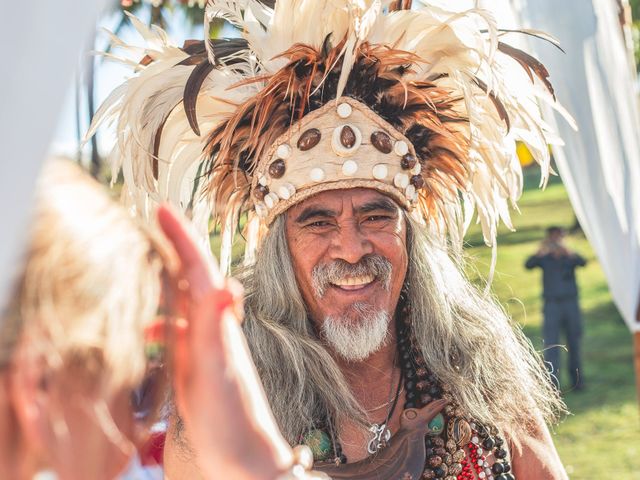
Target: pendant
<point>381,436</point>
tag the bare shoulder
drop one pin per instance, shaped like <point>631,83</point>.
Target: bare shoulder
<point>534,455</point>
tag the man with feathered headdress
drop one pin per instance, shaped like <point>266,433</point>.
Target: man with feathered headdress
<point>353,141</point>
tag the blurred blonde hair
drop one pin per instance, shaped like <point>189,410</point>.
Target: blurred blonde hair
<point>90,280</point>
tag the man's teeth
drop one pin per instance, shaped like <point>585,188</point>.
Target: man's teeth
<point>354,281</point>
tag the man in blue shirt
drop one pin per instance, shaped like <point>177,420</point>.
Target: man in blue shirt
<point>561,309</point>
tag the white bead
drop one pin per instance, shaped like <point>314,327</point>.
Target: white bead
<point>261,210</point>
<point>479,451</point>
<point>316,174</point>
<point>263,180</point>
<point>401,148</point>
<point>380,172</point>
<point>344,110</point>
<point>283,151</point>
<point>270,200</point>
<point>410,193</point>
<point>349,168</point>
<point>401,180</point>
<point>480,462</point>
<point>475,440</point>
<point>487,471</point>
<point>482,475</point>
<point>286,191</point>
<point>416,169</point>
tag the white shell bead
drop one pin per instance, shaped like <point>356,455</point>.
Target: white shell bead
<point>401,148</point>
<point>283,151</point>
<point>349,168</point>
<point>263,180</point>
<point>270,200</point>
<point>261,210</point>
<point>401,180</point>
<point>410,192</point>
<point>344,110</point>
<point>286,191</point>
<point>380,172</point>
<point>316,174</point>
<point>416,169</point>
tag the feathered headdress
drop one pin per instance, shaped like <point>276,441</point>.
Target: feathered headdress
<point>423,104</point>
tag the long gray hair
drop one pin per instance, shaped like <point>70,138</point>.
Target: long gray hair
<point>466,339</point>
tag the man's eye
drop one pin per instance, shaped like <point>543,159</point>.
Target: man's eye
<point>377,218</point>
<point>318,223</point>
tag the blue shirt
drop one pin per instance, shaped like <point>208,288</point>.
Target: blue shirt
<point>558,274</point>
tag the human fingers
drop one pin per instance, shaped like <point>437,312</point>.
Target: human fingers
<point>198,273</point>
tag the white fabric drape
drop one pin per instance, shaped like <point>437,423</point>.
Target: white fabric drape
<point>600,164</point>
<point>39,46</point>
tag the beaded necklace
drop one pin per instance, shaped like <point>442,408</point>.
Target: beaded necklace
<point>450,432</point>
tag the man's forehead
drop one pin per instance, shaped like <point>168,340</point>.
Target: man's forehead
<point>341,200</point>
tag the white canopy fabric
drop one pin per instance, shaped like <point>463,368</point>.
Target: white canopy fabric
<point>600,164</point>
<point>40,43</point>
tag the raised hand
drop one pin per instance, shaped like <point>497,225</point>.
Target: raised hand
<point>217,390</point>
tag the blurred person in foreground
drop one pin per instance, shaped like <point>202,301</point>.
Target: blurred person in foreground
<point>561,306</point>
<point>71,345</point>
<point>350,142</point>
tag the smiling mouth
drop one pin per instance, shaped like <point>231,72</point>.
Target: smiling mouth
<point>354,283</point>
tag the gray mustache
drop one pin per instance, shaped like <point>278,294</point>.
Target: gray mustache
<point>323,275</point>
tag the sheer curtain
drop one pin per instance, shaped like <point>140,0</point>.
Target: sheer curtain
<point>39,46</point>
<point>600,164</point>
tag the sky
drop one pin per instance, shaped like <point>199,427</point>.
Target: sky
<point>109,75</point>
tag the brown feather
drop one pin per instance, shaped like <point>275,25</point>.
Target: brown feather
<point>502,111</point>
<point>191,91</point>
<point>530,64</point>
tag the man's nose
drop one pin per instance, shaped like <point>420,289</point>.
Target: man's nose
<point>350,243</point>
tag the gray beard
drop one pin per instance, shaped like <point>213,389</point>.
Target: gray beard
<point>355,339</point>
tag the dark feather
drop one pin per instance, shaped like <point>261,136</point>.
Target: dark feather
<point>191,91</point>
<point>530,64</point>
<point>504,116</point>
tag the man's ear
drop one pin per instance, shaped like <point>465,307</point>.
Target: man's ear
<point>28,386</point>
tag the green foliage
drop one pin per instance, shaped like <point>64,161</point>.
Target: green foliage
<point>601,437</point>
<point>635,30</point>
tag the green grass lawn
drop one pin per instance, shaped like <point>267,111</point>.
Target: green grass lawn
<point>601,437</point>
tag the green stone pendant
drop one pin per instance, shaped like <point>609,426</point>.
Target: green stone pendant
<point>319,443</point>
<point>436,426</point>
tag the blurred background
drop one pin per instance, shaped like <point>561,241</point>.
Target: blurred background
<point>594,197</point>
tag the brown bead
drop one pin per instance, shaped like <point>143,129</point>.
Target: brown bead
<point>435,461</point>
<point>309,139</point>
<point>458,456</point>
<point>347,136</point>
<point>460,431</point>
<point>451,446</point>
<point>277,168</point>
<point>421,372</point>
<point>448,459</point>
<point>422,386</point>
<point>426,399</point>
<point>260,192</point>
<point>428,475</point>
<point>438,442</point>
<point>381,141</point>
<point>408,162</point>
<point>440,451</point>
<point>417,181</point>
